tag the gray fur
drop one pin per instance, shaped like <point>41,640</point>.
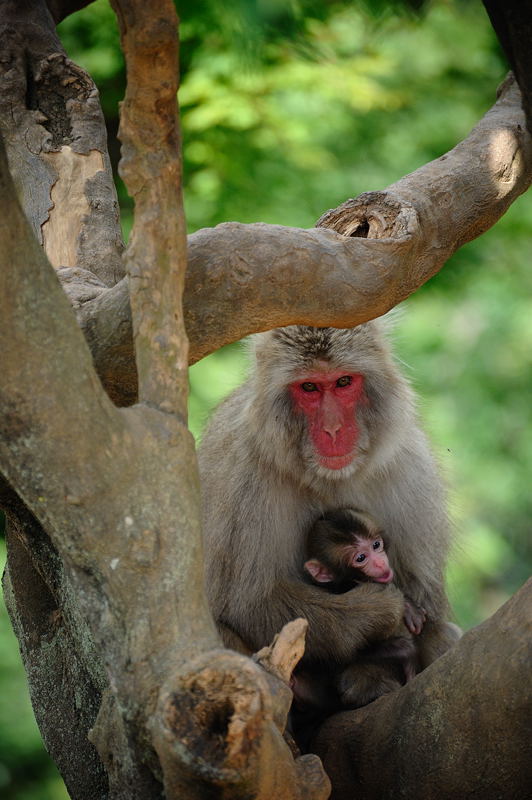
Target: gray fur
<point>262,489</point>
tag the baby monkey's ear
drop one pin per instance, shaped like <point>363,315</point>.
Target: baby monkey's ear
<point>318,571</point>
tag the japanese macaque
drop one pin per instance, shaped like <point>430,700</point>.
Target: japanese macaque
<point>325,420</point>
<point>345,548</point>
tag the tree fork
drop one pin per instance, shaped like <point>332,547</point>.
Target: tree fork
<point>362,259</point>
<point>121,526</point>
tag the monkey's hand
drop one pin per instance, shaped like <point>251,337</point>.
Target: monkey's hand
<point>339,624</point>
<point>415,617</point>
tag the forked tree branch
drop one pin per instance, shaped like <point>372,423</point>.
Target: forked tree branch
<point>245,278</point>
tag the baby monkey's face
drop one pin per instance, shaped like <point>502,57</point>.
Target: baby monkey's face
<point>369,557</point>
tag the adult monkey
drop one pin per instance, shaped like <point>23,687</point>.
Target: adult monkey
<point>324,421</point>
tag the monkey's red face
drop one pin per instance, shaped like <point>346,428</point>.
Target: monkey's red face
<point>369,557</point>
<point>329,401</point>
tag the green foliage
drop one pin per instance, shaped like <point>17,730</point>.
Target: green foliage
<point>288,109</point>
<point>359,108</point>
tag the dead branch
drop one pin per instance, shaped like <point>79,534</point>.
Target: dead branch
<point>282,656</point>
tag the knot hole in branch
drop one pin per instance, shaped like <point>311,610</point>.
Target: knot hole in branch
<point>361,230</point>
<point>372,215</point>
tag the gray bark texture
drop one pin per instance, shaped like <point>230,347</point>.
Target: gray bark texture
<point>133,693</point>
<point>462,728</point>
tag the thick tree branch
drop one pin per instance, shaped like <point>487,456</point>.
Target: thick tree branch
<point>55,136</point>
<point>460,729</point>
<point>110,516</point>
<point>151,168</point>
<point>245,278</point>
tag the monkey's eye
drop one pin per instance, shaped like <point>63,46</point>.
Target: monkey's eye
<point>360,558</point>
<point>377,544</point>
<point>345,380</point>
<point>309,387</point>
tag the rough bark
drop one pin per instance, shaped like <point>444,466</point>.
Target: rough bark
<point>117,493</point>
<point>55,641</point>
<point>53,127</point>
<point>104,577</point>
<point>156,257</point>
<point>245,278</point>
<point>460,729</point>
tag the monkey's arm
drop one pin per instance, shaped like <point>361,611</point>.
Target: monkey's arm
<point>339,624</point>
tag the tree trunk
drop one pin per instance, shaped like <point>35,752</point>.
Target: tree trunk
<point>133,694</point>
<point>460,729</point>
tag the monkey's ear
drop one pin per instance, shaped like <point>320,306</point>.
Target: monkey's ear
<point>318,571</point>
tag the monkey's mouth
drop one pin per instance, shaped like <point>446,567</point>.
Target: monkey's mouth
<point>386,578</point>
<point>336,462</point>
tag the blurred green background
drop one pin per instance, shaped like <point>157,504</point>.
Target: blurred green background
<point>289,109</point>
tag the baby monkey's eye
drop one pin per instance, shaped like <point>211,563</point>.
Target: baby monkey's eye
<point>360,558</point>
<point>377,544</point>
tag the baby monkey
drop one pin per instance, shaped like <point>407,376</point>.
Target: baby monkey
<point>345,548</point>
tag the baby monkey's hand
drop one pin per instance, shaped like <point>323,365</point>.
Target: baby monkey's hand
<point>415,617</point>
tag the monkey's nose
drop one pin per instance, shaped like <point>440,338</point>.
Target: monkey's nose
<point>332,428</point>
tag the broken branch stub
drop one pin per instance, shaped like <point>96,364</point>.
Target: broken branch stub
<point>216,726</point>
<point>372,215</point>
<point>281,657</point>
